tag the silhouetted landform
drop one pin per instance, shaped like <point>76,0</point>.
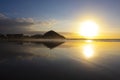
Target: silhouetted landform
<point>48,35</point>
<point>52,35</point>
<point>15,35</point>
<point>2,36</point>
<point>52,45</point>
<point>37,36</point>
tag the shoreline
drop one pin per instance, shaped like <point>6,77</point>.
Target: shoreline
<point>35,40</point>
<point>59,40</point>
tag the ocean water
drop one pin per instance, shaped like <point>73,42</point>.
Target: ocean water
<point>69,60</point>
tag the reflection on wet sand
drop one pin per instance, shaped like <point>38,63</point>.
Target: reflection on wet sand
<point>88,50</point>
<point>52,45</point>
<point>89,41</point>
<point>76,60</point>
<point>25,50</point>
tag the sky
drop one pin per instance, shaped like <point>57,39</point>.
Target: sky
<point>20,16</point>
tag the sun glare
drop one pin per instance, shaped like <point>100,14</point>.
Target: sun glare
<point>88,29</point>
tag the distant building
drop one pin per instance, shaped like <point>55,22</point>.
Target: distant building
<point>14,35</point>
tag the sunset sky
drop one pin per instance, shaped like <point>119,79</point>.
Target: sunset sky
<point>21,16</point>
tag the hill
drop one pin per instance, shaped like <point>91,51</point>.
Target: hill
<point>52,35</point>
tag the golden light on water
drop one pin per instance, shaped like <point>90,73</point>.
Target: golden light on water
<point>89,41</point>
<point>88,51</point>
<point>89,29</point>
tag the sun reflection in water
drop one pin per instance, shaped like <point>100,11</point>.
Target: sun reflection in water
<point>88,50</point>
<point>89,41</point>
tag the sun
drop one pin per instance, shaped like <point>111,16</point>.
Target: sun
<point>88,29</point>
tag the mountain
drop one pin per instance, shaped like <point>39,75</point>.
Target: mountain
<point>52,35</point>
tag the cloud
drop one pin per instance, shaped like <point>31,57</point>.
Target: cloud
<point>3,16</point>
<point>14,25</point>
<point>43,25</point>
<point>48,23</point>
